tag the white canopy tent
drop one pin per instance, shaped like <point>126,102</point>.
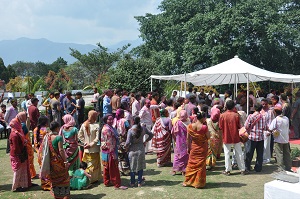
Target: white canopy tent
<point>233,71</point>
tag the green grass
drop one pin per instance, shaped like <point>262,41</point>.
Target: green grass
<point>159,184</point>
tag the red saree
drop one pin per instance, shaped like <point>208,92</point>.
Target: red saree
<point>196,169</point>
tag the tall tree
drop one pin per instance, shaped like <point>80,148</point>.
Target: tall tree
<point>190,34</point>
<point>132,74</point>
<point>99,60</point>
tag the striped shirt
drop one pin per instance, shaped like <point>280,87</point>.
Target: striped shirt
<point>257,131</point>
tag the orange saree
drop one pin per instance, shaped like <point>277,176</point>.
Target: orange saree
<point>195,175</point>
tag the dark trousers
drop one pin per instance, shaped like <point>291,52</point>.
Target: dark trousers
<point>283,155</point>
<point>272,145</point>
<point>250,147</point>
<point>7,143</point>
<point>140,177</point>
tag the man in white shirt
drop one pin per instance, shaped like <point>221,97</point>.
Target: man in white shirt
<point>280,129</point>
<point>136,106</point>
<point>146,120</point>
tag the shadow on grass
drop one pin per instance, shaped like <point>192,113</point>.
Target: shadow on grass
<point>211,185</point>
<point>87,195</point>
<point>7,187</point>
<point>151,161</point>
<point>151,183</point>
<point>151,172</point>
<point>3,148</point>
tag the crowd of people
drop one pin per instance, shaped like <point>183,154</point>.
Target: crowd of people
<point>74,153</point>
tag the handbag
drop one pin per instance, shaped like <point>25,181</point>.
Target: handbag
<point>276,133</point>
<point>243,133</point>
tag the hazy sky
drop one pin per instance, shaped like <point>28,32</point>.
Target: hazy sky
<point>76,21</point>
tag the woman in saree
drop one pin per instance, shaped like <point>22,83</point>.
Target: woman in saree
<point>214,142</point>
<point>70,142</point>
<point>38,135</point>
<point>30,151</point>
<point>89,136</point>
<point>54,163</point>
<point>161,141</point>
<point>179,133</point>
<point>197,137</point>
<point>18,154</point>
<point>109,153</point>
<point>122,126</point>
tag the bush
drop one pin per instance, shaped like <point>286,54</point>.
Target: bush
<point>86,111</point>
<point>295,152</point>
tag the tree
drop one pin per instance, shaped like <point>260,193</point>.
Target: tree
<point>6,73</point>
<point>55,81</point>
<point>80,75</point>
<point>99,60</point>
<point>190,34</point>
<point>132,74</point>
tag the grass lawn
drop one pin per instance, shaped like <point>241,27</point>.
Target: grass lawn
<point>159,184</point>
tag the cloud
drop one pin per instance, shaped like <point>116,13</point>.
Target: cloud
<point>105,21</point>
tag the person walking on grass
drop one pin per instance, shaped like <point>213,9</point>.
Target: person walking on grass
<point>229,123</point>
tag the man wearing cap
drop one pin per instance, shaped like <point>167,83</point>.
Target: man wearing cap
<point>33,113</point>
<point>281,140</point>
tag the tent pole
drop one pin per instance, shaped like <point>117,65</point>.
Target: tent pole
<point>235,88</point>
<point>180,88</point>
<point>247,94</point>
<point>184,84</point>
<point>151,85</point>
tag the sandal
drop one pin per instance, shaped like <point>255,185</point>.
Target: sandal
<point>121,188</point>
<point>227,173</point>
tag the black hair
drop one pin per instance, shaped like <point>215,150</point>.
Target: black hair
<point>177,105</point>
<point>228,92</point>
<point>196,110</point>
<point>275,97</point>
<point>154,94</point>
<point>83,165</point>
<point>79,93</point>
<point>68,93</point>
<point>3,105</point>
<point>137,121</point>
<point>283,96</point>
<point>258,107</point>
<point>169,102</point>
<point>190,89</point>
<point>60,90</point>
<point>180,100</point>
<point>230,104</point>
<point>278,112</point>
<point>298,94</point>
<point>106,117</point>
<point>200,115</point>
<point>124,105</point>
<point>264,100</point>
<point>42,121</point>
<point>34,99</point>
<point>54,125</point>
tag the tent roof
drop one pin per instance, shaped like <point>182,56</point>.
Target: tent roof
<point>229,72</point>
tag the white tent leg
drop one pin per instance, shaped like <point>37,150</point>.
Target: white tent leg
<point>184,84</point>
<point>180,89</point>
<point>235,88</point>
<point>247,94</point>
<point>151,85</point>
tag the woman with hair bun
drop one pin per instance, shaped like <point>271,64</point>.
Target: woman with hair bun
<point>197,138</point>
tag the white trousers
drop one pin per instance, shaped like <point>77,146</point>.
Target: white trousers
<point>148,147</point>
<point>238,154</point>
<point>267,150</point>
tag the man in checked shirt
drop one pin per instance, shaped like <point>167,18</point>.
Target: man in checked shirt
<point>255,125</point>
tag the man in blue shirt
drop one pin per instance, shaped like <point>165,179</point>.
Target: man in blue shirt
<point>107,109</point>
<point>69,103</point>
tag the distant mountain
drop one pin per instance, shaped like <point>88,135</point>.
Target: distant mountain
<point>33,50</point>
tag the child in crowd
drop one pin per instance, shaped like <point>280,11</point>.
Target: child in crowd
<point>80,178</point>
